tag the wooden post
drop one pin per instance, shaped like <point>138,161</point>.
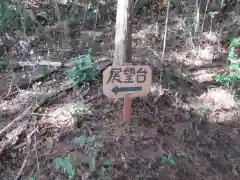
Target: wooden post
<point>123,44</point>
<point>123,36</point>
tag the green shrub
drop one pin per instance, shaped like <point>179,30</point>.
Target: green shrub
<point>232,75</point>
<point>83,71</point>
<point>10,16</point>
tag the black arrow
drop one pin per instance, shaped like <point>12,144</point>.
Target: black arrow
<point>117,89</point>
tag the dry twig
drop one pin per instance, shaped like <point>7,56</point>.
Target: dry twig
<point>21,169</point>
<point>42,101</point>
<point>5,95</point>
<point>164,41</point>
<point>18,118</point>
<point>35,144</point>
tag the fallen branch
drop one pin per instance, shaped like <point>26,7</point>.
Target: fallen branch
<point>35,145</point>
<point>39,78</point>
<point>56,64</point>
<point>15,90</point>
<point>40,63</point>
<point>10,94</point>
<point>42,100</point>
<point>19,145</point>
<point>12,137</point>
<point>10,88</point>
<point>21,169</point>
<point>102,64</point>
<point>18,118</point>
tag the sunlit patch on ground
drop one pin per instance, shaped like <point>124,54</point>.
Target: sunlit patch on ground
<point>203,75</point>
<point>218,99</point>
<point>63,116</point>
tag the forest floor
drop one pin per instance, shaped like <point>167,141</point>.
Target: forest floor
<point>187,128</point>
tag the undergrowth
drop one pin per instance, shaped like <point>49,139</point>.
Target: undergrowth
<point>232,74</point>
<point>83,70</point>
<point>170,159</point>
<point>10,16</point>
<point>68,164</point>
<point>15,17</point>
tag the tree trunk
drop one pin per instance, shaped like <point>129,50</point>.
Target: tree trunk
<point>123,44</point>
<point>123,37</point>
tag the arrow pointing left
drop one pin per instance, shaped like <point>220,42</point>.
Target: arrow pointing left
<point>117,89</point>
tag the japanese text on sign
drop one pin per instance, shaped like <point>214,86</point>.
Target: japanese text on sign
<point>129,73</point>
<point>127,80</point>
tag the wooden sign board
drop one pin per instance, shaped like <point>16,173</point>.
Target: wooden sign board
<point>130,80</point>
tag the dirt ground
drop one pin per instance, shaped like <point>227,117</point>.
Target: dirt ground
<point>187,128</point>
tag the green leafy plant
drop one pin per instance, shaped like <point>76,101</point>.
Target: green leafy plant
<point>84,139</point>
<point>68,163</point>
<point>105,163</point>
<point>93,152</point>
<point>232,75</point>
<point>14,17</point>
<point>167,160</point>
<point>81,109</point>
<point>171,158</point>
<point>93,161</point>
<point>232,55</point>
<point>68,166</point>
<point>213,14</point>
<point>84,70</point>
<point>180,154</point>
<point>10,17</point>
<point>234,42</point>
<point>32,178</point>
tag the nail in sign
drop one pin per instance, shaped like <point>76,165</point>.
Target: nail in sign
<point>131,80</point>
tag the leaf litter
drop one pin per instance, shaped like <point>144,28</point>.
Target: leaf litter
<point>162,142</point>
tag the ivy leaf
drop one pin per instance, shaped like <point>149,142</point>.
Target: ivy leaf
<point>234,42</point>
<point>232,54</point>
<point>107,162</point>
<point>83,139</point>
<point>233,66</point>
<point>167,160</point>
<point>59,162</point>
<point>180,154</point>
<point>71,171</point>
<point>212,14</point>
<point>67,165</point>
<point>81,109</point>
<point>171,161</point>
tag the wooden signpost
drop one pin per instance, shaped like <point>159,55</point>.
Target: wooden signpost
<point>125,80</point>
<point>130,80</point>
